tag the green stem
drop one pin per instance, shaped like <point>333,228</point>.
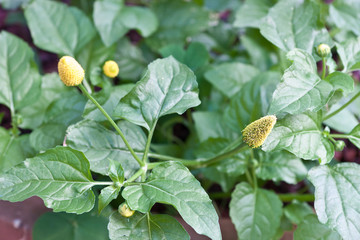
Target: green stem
<point>112,123</point>
<point>293,196</point>
<point>164,157</point>
<point>87,86</point>
<point>249,178</point>
<point>323,68</point>
<point>135,176</point>
<point>102,183</point>
<point>342,107</point>
<point>339,136</point>
<point>148,143</point>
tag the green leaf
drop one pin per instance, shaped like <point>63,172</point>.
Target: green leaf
<point>251,13</point>
<point>113,20</point>
<point>354,136</point>
<point>100,145</point>
<point>228,170</point>
<point>167,87</point>
<point>60,176</point>
<point>11,152</point>
<point>297,211</point>
<point>94,54</point>
<point>301,135</point>
<point>175,15</point>
<point>211,125</point>
<point>52,88</point>
<point>312,229</point>
<point>58,116</point>
<point>341,81</point>
<point>108,102</point>
<point>337,197</point>
<point>349,52</point>
<point>281,166</point>
<point>230,77</point>
<point>107,195</point>
<point>57,28</point>
<point>248,104</point>
<point>172,183</point>
<point>345,15</point>
<point>130,59</point>
<point>59,226</point>
<point>344,121</point>
<point>116,172</point>
<point>20,81</point>
<point>294,24</point>
<point>301,88</point>
<point>145,227</point>
<point>12,4</point>
<point>256,213</point>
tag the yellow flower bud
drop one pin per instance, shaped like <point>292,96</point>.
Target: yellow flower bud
<point>323,50</point>
<point>70,71</point>
<point>111,69</point>
<point>256,132</point>
<point>125,210</point>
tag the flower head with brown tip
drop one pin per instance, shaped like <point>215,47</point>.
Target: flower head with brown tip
<point>70,71</point>
<point>256,132</point>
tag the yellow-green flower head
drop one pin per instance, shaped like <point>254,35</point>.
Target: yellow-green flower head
<point>111,69</point>
<point>125,210</point>
<point>70,71</point>
<point>323,50</point>
<point>256,132</point>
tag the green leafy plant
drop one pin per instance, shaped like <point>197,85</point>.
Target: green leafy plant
<point>178,107</point>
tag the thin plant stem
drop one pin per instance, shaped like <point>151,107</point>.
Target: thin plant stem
<point>342,107</point>
<point>339,136</point>
<point>135,176</point>
<point>102,183</point>
<point>148,143</point>
<point>300,197</point>
<point>323,68</point>
<point>112,123</point>
<point>249,178</point>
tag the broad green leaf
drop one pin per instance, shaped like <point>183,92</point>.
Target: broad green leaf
<point>301,135</point>
<point>337,197</point>
<point>107,195</point>
<point>57,28</point>
<point>312,229</point>
<point>301,88</point>
<point>94,54</point>
<point>294,24</point>
<point>130,59</point>
<point>172,183</point>
<point>11,152</point>
<point>341,81</point>
<point>345,15</point>
<point>167,87</point>
<point>145,227</point>
<point>230,77</point>
<point>349,52</point>
<point>228,170</point>
<point>175,15</point>
<point>12,4</point>
<point>60,176</point>
<point>211,125</point>
<point>113,20</point>
<point>195,56</point>
<point>58,116</point>
<point>344,121</point>
<point>51,89</point>
<point>281,166</point>
<point>297,211</point>
<point>354,136</point>
<point>101,145</point>
<point>20,81</point>
<point>247,105</point>
<point>60,226</point>
<point>108,102</point>
<point>256,213</point>
<point>251,13</point>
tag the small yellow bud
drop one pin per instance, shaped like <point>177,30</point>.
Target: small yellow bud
<point>256,132</point>
<point>125,210</point>
<point>70,71</point>
<point>111,69</point>
<point>323,50</point>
